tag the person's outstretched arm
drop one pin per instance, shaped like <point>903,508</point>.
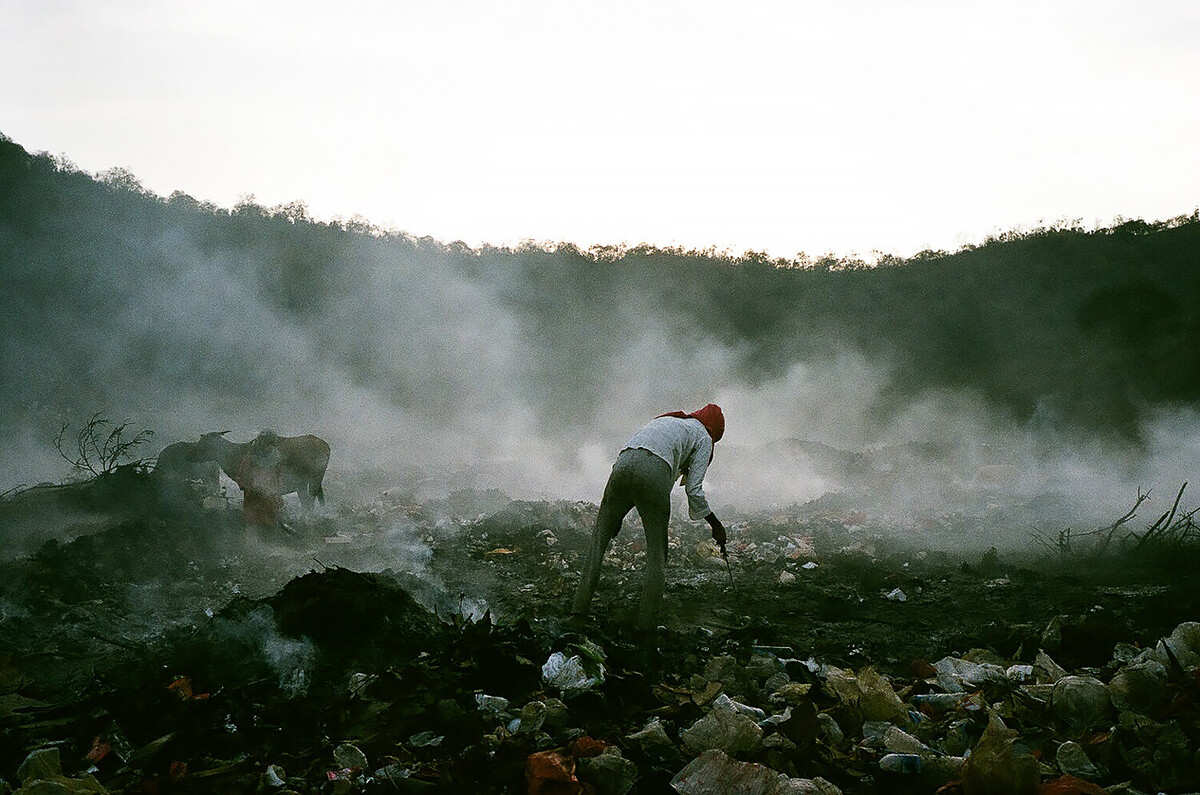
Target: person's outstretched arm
<point>718,530</point>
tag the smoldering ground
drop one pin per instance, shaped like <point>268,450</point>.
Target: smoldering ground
<point>888,427</point>
<point>434,366</point>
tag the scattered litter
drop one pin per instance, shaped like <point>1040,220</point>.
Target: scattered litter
<point>1082,703</point>
<point>900,763</point>
<point>426,739</point>
<point>723,729</point>
<point>955,675</point>
<point>410,665</point>
<point>551,773</point>
<point>486,703</point>
<point>572,674</point>
<point>1072,760</point>
<point>715,773</point>
<point>274,777</point>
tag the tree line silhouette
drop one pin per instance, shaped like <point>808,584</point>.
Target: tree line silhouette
<point>1085,329</point>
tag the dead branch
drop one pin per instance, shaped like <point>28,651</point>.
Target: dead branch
<point>1164,522</point>
<point>13,491</point>
<point>1112,529</point>
<point>96,451</point>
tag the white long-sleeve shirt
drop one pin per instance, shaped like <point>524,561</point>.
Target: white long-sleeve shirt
<point>687,447</point>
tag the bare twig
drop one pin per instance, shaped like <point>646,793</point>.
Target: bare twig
<point>97,451</point>
<point>13,490</point>
<point>1112,529</point>
<point>1164,522</point>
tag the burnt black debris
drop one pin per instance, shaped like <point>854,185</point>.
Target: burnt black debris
<point>406,646</point>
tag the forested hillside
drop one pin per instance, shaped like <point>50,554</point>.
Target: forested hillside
<point>188,316</point>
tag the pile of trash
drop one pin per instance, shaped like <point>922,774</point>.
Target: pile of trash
<point>400,646</point>
<point>342,682</point>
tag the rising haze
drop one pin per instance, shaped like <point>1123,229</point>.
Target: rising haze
<point>1068,353</point>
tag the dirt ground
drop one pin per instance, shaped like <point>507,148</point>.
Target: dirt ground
<point>167,647</point>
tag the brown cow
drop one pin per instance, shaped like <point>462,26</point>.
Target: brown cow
<point>187,461</point>
<point>270,466</point>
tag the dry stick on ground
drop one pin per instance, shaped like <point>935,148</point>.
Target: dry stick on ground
<point>1112,529</point>
<point>1181,530</point>
<point>1063,543</point>
<point>1164,521</point>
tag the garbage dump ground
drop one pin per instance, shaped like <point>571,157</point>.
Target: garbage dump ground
<point>405,645</point>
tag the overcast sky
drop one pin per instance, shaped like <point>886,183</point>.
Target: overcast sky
<point>782,126</point>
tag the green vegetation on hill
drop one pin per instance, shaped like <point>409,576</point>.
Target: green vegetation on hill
<point>111,288</point>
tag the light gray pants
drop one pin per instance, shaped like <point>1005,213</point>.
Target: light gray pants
<point>643,480</point>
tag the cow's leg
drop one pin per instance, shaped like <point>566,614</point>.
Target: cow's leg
<point>304,492</point>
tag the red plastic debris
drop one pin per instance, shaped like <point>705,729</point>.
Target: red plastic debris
<point>551,773</point>
<point>584,747</point>
<point>100,749</point>
<point>182,687</point>
<point>921,669</point>
<point>1070,785</point>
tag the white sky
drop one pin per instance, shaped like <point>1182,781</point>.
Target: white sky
<point>785,126</point>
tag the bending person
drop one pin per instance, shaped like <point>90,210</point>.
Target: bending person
<point>673,446</point>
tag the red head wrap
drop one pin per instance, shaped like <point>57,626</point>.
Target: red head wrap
<point>710,417</point>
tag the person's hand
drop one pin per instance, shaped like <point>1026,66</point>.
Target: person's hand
<point>718,531</point>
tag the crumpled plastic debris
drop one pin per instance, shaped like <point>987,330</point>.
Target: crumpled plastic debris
<point>1019,673</point>
<point>939,703</point>
<point>349,757</point>
<point>1139,686</point>
<point>42,772</point>
<point>870,692</point>
<point>392,773</point>
<point>274,777</point>
<point>1082,703</point>
<point>493,704</point>
<point>426,739</point>
<point>530,720</point>
<point>724,702</point>
<point>830,729</point>
<point>714,773</point>
<point>899,741</point>
<point>955,675</point>
<point>1045,669</point>
<point>575,673</point>
<point>995,767</point>
<point>653,741</point>
<point>1183,645</point>
<point>1072,760</point>
<point>722,729</point>
<point>609,772</point>
<point>900,763</point>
